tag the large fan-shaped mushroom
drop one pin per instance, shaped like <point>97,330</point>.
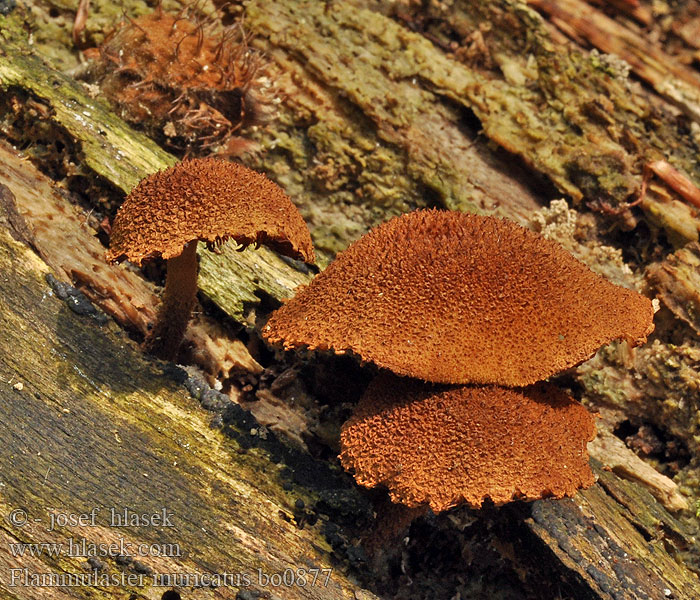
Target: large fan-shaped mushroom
<point>448,445</point>
<point>451,297</point>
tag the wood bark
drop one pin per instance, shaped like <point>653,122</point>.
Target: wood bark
<point>377,110</point>
<point>90,423</point>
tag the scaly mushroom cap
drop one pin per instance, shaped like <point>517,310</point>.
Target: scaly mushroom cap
<point>446,446</point>
<point>208,200</point>
<point>456,298</point>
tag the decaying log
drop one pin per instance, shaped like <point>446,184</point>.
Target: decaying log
<point>616,542</point>
<point>90,423</point>
<point>575,118</point>
<point>672,80</point>
<point>376,110</point>
<point>677,280</point>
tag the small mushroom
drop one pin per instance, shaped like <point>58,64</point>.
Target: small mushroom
<point>206,200</point>
<point>451,297</point>
<point>448,445</point>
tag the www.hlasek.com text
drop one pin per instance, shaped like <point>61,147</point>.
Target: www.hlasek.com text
<point>83,548</point>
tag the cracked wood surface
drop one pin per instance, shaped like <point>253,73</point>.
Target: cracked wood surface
<point>350,156</point>
<point>89,422</point>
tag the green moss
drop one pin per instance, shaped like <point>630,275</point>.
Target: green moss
<point>98,143</point>
<point>96,423</point>
<point>572,116</point>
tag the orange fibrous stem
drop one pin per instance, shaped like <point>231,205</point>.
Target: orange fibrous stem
<point>164,339</point>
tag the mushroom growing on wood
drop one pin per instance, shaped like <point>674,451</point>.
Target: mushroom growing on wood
<point>206,200</point>
<point>448,445</point>
<point>450,297</point>
<point>454,298</point>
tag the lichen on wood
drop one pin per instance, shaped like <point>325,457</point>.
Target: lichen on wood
<point>595,536</point>
<point>109,148</point>
<point>106,144</point>
<point>378,115</point>
<point>572,117</point>
<point>658,384</point>
<point>671,78</point>
<point>260,269</point>
<point>90,422</point>
<point>358,136</point>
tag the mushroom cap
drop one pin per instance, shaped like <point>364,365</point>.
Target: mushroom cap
<point>208,200</point>
<point>451,297</point>
<point>446,446</point>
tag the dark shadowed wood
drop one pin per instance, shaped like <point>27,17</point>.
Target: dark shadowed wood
<point>374,111</point>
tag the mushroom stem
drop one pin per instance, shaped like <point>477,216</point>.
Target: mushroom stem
<point>390,525</point>
<point>163,341</point>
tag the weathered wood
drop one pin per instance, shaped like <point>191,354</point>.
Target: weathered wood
<point>655,384</point>
<point>677,280</point>
<point>106,144</point>
<point>572,117</point>
<point>370,119</point>
<point>114,151</point>
<point>616,542</point>
<point>669,77</point>
<point>616,456</point>
<point>89,422</point>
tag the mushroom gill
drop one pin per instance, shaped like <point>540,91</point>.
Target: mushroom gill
<point>450,297</point>
<point>448,445</point>
<point>206,200</point>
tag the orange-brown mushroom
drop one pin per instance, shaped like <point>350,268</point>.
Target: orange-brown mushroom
<point>451,297</point>
<point>204,200</point>
<point>448,445</point>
